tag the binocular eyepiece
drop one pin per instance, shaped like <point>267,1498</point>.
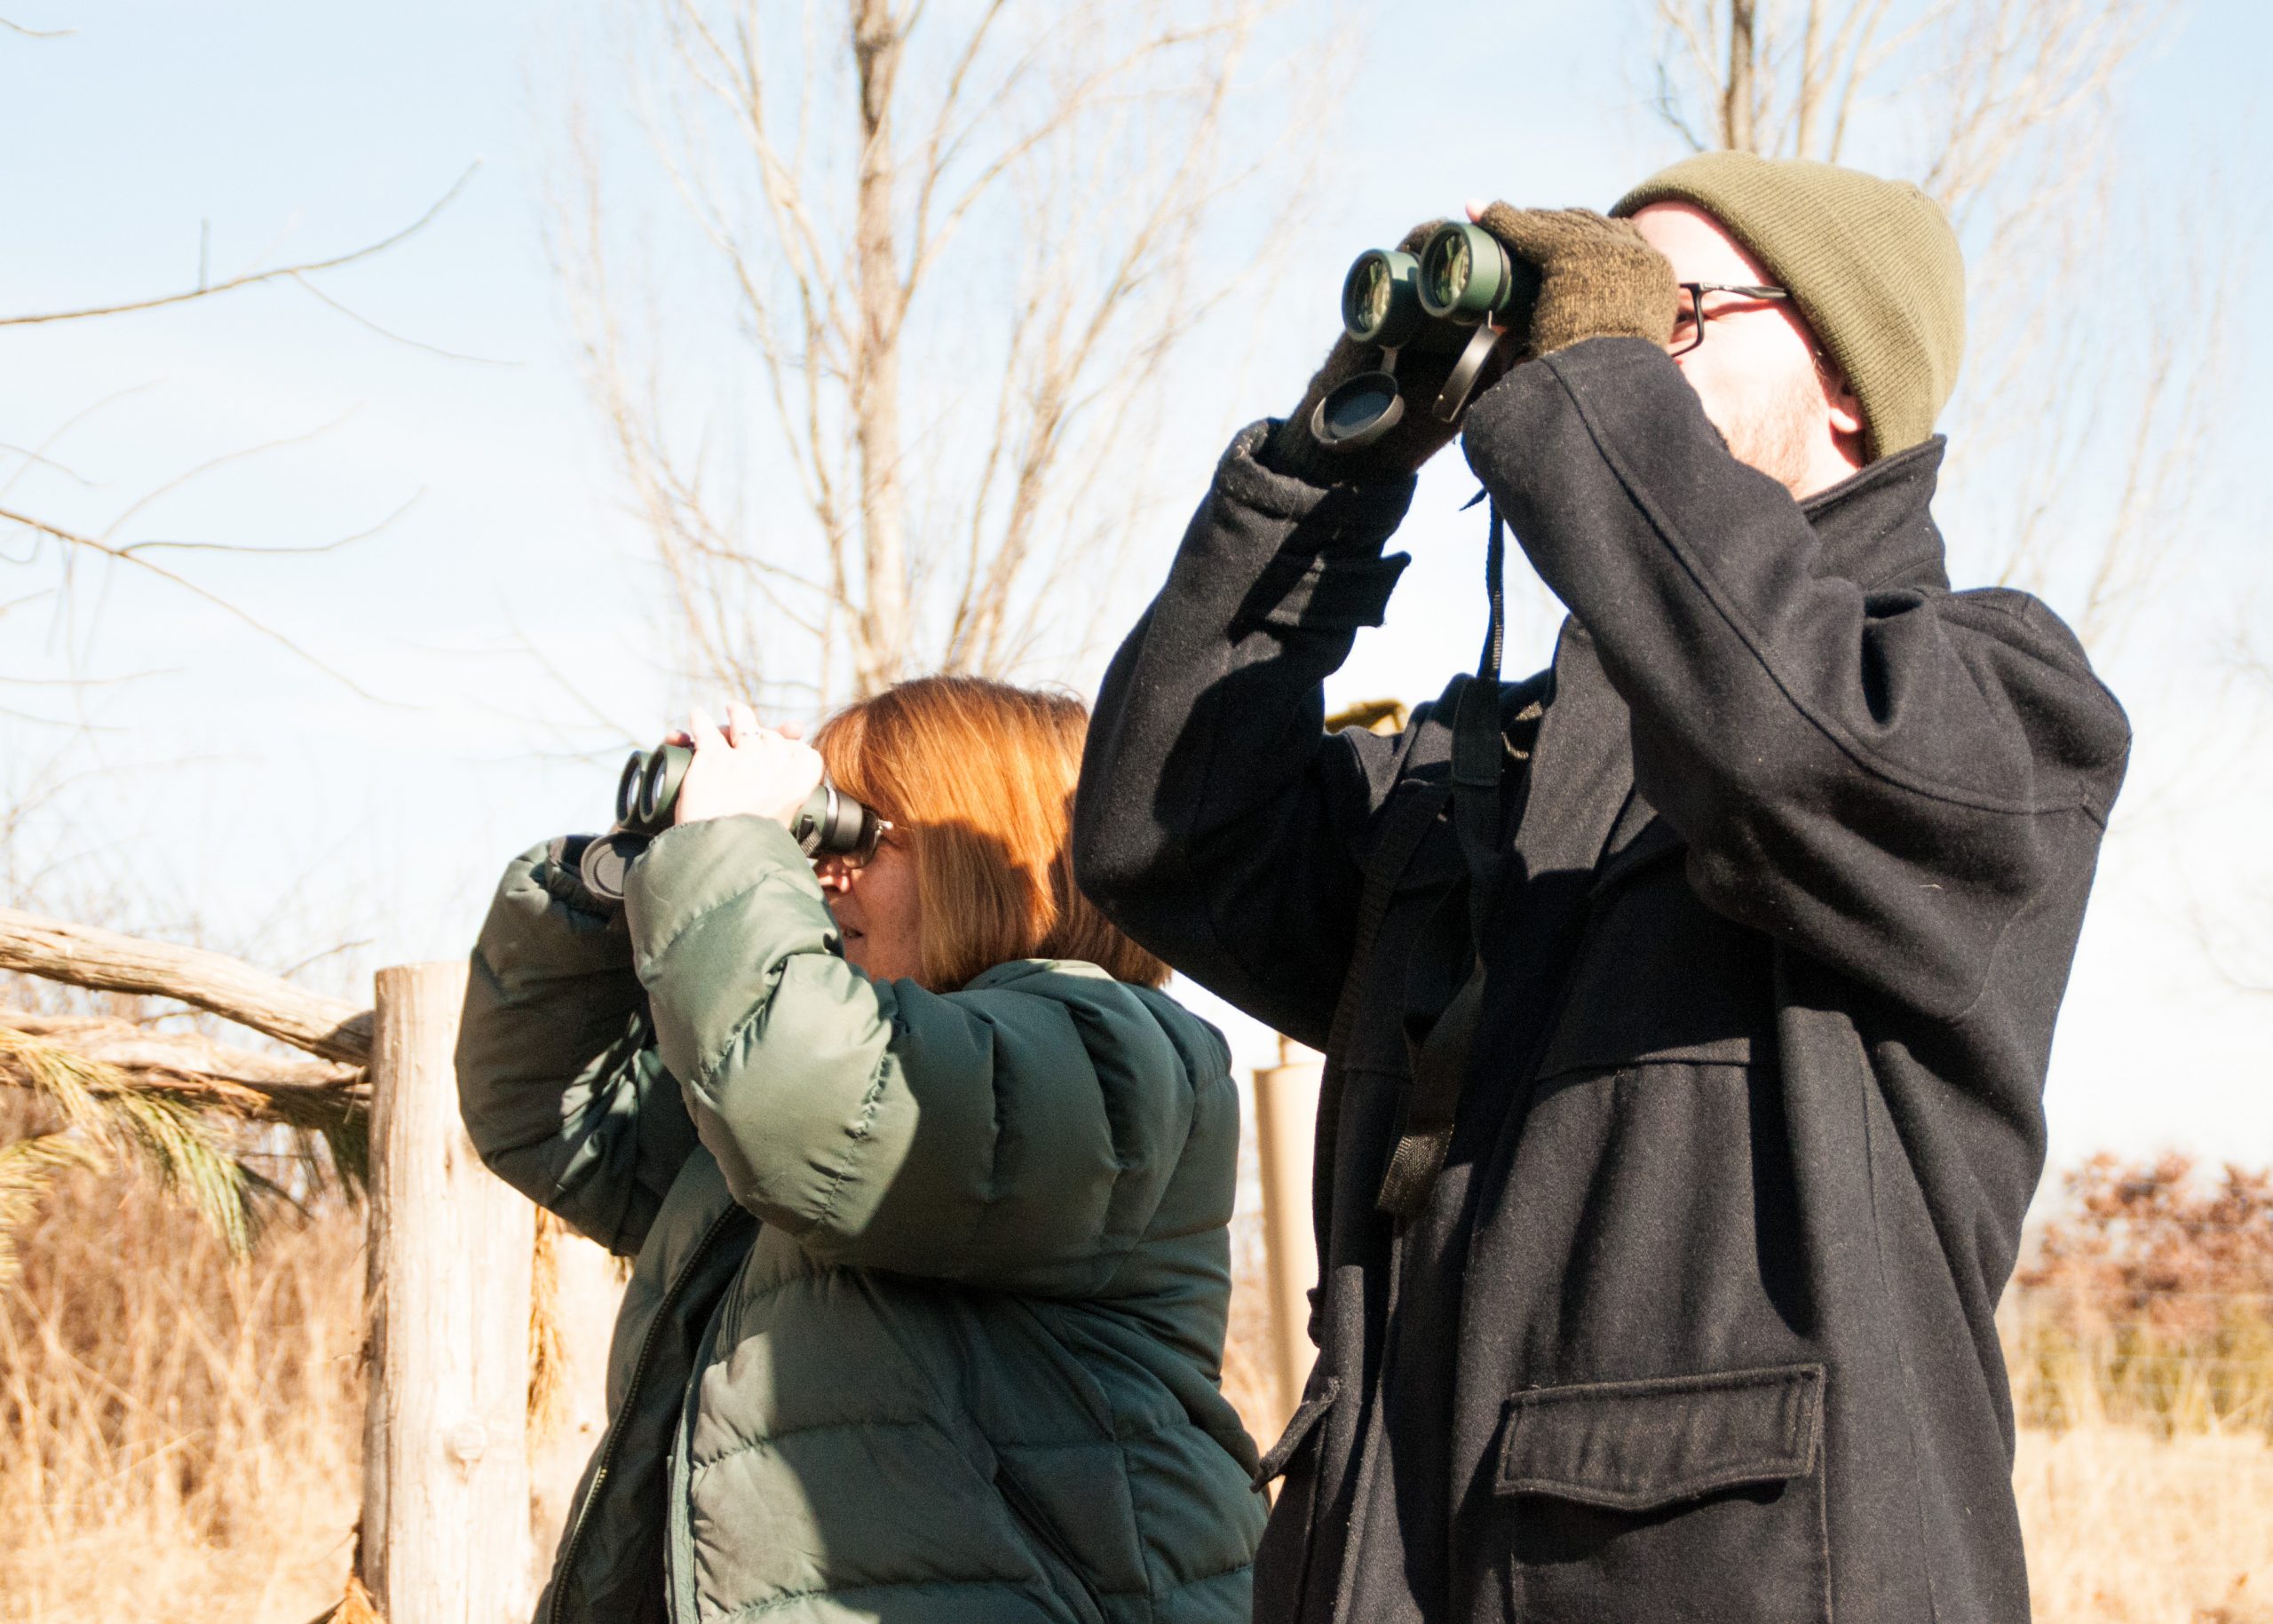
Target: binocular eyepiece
<point>646,796</point>
<point>1463,292</point>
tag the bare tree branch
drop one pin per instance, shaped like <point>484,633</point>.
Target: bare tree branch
<point>159,492</point>
<point>130,555</point>
<point>389,333</point>
<point>68,424</point>
<point>35,459</point>
<point>253,278</point>
<point>337,545</point>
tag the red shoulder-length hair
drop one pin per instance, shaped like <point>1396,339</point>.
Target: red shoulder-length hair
<point>978,777</point>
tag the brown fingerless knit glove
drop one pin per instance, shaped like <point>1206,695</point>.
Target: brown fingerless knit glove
<point>1598,279</point>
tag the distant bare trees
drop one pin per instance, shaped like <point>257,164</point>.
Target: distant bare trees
<point>1988,78</point>
<point>2093,359</point>
<point>955,253</point>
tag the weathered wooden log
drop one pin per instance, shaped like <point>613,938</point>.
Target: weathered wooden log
<point>210,1075</point>
<point>446,1484</point>
<point>57,950</point>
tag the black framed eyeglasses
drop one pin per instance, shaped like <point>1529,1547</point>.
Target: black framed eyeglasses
<point>862,853</point>
<point>1689,323</point>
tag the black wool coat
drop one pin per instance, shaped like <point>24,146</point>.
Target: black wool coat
<point>1697,1323</point>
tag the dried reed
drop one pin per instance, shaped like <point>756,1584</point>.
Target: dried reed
<point>176,1423</point>
<point>2126,1527</point>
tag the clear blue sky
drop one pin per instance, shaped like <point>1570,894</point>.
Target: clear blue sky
<point>238,791</point>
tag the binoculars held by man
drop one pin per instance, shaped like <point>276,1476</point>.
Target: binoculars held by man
<point>1462,294</point>
<point>647,794</point>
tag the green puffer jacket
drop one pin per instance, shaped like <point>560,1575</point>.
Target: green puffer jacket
<point>930,1299</point>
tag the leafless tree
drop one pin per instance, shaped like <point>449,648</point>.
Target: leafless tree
<point>957,251</point>
<point>2094,331</point>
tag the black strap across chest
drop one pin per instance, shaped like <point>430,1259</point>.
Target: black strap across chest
<point>1413,808</point>
<point>1431,1097</point>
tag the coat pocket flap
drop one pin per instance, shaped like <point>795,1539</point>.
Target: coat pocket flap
<point>1638,1446</point>
<point>1584,1046</point>
<point>1298,1428</point>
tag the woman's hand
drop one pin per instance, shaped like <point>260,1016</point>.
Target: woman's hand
<point>744,768</point>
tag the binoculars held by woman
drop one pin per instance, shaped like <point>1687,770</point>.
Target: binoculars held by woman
<point>647,794</point>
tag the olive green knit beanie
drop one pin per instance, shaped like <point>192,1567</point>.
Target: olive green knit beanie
<point>1872,263</point>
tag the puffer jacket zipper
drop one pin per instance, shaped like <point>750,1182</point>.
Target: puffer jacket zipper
<point>608,1444</point>
<point>1033,1519</point>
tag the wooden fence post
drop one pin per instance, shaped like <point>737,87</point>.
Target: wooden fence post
<point>586,1289</point>
<point>1286,1118</point>
<point>445,1471</point>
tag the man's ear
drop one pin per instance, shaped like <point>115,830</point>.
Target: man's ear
<point>1845,410</point>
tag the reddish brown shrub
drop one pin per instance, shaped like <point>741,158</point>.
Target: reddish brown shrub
<point>2149,1299</point>
<point>2152,1244</point>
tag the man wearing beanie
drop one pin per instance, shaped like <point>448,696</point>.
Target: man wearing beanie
<point>1687,1005</point>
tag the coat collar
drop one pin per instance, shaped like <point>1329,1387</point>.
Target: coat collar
<point>1875,526</point>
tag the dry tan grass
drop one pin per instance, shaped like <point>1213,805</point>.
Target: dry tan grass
<point>179,1435</point>
<point>179,1432</point>
<point>2126,1527</point>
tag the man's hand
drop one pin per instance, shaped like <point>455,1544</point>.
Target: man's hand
<point>1597,278</point>
<point>744,768</point>
<point>1418,435</point>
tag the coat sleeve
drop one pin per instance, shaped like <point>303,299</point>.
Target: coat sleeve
<point>558,1081</point>
<point>1217,822</point>
<point>1880,778</point>
<point>1020,1136</point>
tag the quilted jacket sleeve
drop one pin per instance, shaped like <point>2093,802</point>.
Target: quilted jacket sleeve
<point>559,1080</point>
<point>1021,1134</point>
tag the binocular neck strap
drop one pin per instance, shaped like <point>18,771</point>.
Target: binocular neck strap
<point>1495,631</point>
<point>1431,1095</point>
<point>1478,747</point>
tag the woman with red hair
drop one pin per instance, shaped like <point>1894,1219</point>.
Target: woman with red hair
<point>927,1182</point>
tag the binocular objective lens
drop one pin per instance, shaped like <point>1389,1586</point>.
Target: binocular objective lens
<point>1449,269</point>
<point>1369,296</point>
<point>627,788</point>
<point>651,787</point>
<point>1465,274</point>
